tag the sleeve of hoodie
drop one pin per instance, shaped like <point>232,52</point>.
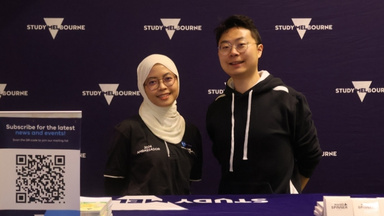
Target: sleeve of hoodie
<point>305,140</point>
<point>209,128</point>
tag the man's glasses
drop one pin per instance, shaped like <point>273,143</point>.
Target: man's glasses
<point>225,48</point>
<point>153,83</point>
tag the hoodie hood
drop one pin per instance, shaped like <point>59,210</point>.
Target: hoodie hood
<point>266,83</point>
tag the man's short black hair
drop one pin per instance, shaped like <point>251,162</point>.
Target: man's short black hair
<point>237,21</point>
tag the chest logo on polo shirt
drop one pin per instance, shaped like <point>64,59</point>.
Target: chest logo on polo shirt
<point>187,147</point>
<point>148,148</point>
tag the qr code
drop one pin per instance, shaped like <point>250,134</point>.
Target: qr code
<point>40,179</point>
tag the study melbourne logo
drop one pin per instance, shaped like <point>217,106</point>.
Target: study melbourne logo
<point>54,25</point>
<point>171,25</point>
<point>11,93</point>
<point>362,88</point>
<point>109,91</point>
<point>302,25</point>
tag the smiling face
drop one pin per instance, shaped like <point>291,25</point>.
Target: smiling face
<point>240,64</point>
<point>164,95</point>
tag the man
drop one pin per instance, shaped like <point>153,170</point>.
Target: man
<point>262,132</point>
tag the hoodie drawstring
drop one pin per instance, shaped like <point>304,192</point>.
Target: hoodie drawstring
<point>245,150</point>
<point>232,134</point>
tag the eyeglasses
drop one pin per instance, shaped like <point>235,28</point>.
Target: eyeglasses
<point>153,83</point>
<point>225,48</point>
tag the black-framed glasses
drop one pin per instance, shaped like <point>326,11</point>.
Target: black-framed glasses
<point>153,83</point>
<point>226,47</point>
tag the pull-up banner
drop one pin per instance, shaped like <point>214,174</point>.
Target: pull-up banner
<point>40,162</point>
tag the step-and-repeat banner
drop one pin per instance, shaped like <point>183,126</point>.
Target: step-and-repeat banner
<point>83,55</point>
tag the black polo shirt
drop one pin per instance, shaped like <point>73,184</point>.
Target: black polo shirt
<point>141,163</point>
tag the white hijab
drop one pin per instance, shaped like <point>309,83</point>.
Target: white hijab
<point>165,122</point>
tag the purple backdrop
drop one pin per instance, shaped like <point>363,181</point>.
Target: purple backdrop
<point>332,51</point>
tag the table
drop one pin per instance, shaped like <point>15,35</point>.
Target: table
<point>265,205</point>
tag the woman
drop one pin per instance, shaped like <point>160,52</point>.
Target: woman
<point>155,152</point>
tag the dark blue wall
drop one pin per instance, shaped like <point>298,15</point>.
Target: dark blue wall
<point>103,41</point>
